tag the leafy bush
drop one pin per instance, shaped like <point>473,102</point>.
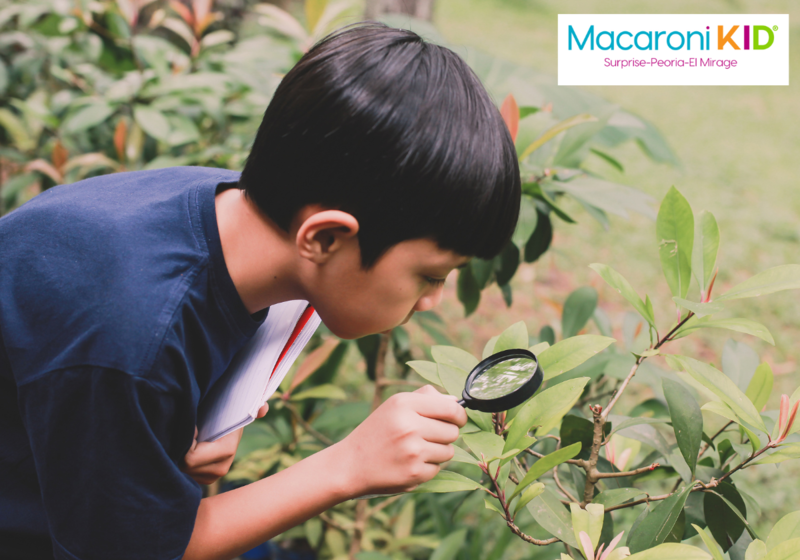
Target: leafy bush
<point>549,434</point>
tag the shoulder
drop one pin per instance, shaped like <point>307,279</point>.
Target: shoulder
<point>98,272</point>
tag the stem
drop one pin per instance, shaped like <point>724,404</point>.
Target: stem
<point>712,438</point>
<point>628,473</point>
<point>501,496</point>
<point>744,463</point>
<point>569,496</point>
<point>306,426</point>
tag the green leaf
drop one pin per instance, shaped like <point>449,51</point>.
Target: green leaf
<point>619,283</point>
<point>787,528</point>
<point>537,349</point>
<point>468,291</point>
<point>492,506</point>
<point>325,391</point>
<point>450,545</point>
<point>482,270</point>
<point>687,420</point>
<point>462,456</point>
<point>515,336</point>
<point>16,130</point>
<point>427,370</point>
<point>756,550</point>
<point>671,551</point>
<point>540,239</point>
<point>533,490</point>
<point>760,387</point>
<point>488,350</point>
<point>453,379</point>
<point>152,121</point>
<point>784,453</point>
<point>446,481</point>
<point>615,496</point>
<point>699,309</point>
<point>545,410</point>
<point>572,352</point>
<point>545,464</point>
<point>528,218</point>
<point>87,117</point>
<point>484,443</point>
<point>589,521</point>
<point>675,234</point>
<point>745,326</point>
<point>455,357</point>
<point>550,513</point>
<point>706,244</point>
<point>726,523</point>
<point>783,277</point>
<point>555,131</point>
<point>787,550</point>
<point>578,309</point>
<point>622,422</point>
<point>720,385</point>
<point>654,528</point>
<point>708,540</point>
<point>721,409</point>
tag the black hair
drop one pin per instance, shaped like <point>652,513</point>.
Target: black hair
<point>399,132</point>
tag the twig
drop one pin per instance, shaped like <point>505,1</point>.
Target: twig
<point>306,426</point>
<point>372,511</point>
<point>712,438</point>
<point>569,496</point>
<point>329,520</point>
<point>628,473</point>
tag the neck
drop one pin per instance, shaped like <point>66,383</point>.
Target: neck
<point>259,255</point>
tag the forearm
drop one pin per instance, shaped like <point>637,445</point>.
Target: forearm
<point>236,521</point>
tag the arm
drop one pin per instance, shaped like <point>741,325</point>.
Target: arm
<point>399,446</point>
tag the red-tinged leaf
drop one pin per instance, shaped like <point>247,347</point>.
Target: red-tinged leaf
<point>313,361</point>
<point>120,133</point>
<point>59,156</point>
<point>183,11</point>
<point>510,112</point>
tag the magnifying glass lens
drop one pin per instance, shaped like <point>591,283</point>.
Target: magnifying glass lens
<point>503,378</point>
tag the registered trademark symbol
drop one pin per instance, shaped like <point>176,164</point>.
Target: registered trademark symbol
<point>774,27</point>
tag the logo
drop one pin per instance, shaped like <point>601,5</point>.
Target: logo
<point>673,49</point>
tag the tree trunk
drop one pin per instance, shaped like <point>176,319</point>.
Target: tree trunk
<point>420,9</point>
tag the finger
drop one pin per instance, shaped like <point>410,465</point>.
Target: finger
<point>437,453</point>
<point>263,410</point>
<point>440,407</point>
<point>439,431</point>
<point>209,452</point>
<point>427,390</point>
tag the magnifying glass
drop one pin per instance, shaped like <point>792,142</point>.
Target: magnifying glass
<point>500,382</point>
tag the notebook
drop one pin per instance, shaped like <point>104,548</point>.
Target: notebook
<point>257,370</point>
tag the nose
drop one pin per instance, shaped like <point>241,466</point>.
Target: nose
<point>430,300</point>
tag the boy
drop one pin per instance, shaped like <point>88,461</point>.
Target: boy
<point>381,165</point>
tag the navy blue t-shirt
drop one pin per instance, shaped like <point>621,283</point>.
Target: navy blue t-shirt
<point>117,314</point>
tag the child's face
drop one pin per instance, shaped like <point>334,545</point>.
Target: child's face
<point>409,277</point>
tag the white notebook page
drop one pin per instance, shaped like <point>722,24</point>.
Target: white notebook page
<point>234,400</point>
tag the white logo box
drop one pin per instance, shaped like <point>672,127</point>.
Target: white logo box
<point>673,49</point>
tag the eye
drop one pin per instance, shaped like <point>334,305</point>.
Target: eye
<point>434,281</point>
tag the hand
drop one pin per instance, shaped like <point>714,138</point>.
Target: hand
<point>208,461</point>
<point>402,443</point>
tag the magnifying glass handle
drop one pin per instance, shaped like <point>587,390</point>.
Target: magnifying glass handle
<point>463,403</point>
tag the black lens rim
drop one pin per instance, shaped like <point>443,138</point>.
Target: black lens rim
<point>506,402</point>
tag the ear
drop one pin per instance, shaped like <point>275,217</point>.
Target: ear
<point>322,233</point>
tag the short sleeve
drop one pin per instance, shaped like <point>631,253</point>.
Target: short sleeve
<point>107,446</point>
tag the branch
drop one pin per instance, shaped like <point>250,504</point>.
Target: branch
<point>628,473</point>
<point>712,438</point>
<point>306,426</point>
<point>501,496</point>
<point>569,496</point>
